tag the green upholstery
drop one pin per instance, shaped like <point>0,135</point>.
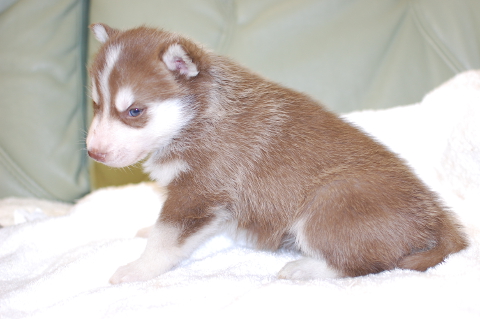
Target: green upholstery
<point>349,54</point>
<point>42,100</point>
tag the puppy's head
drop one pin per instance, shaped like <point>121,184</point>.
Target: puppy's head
<point>139,83</point>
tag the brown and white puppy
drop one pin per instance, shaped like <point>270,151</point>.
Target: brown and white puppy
<point>236,149</point>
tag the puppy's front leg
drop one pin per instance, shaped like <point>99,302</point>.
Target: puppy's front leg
<point>168,243</point>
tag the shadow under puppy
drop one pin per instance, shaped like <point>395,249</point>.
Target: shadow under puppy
<point>234,149</point>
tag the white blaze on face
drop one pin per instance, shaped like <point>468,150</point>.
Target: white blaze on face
<point>111,59</point>
<point>124,99</point>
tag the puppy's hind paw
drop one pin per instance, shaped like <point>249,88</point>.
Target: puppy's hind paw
<point>307,269</point>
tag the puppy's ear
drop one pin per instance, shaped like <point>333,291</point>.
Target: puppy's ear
<point>177,60</point>
<point>102,32</point>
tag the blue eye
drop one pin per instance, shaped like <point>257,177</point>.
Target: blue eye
<point>135,112</point>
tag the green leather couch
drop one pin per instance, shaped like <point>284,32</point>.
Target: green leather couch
<point>349,54</point>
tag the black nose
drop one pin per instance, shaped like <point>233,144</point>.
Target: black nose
<point>96,155</point>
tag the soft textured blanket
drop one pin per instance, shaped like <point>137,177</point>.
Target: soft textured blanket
<point>56,259</point>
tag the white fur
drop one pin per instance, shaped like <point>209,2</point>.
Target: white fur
<point>301,241</point>
<point>176,58</point>
<point>168,118</point>
<point>165,173</point>
<point>124,99</point>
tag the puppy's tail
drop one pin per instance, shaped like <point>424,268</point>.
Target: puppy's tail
<point>449,240</point>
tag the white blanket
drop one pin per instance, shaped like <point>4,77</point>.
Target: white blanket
<point>56,260</point>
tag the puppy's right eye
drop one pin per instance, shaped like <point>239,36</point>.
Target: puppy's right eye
<point>135,112</point>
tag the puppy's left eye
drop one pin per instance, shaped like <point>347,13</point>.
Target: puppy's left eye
<point>135,112</point>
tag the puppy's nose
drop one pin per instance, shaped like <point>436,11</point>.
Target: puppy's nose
<point>96,155</point>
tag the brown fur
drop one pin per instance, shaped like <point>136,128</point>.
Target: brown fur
<point>270,159</point>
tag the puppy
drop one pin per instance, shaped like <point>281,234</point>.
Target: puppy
<point>233,148</point>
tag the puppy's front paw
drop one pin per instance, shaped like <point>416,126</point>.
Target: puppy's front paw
<point>132,272</point>
<point>306,269</point>
<point>144,232</point>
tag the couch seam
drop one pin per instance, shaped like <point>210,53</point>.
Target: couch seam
<point>435,43</point>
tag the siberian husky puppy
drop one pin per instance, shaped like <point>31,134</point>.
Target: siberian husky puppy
<point>233,148</point>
